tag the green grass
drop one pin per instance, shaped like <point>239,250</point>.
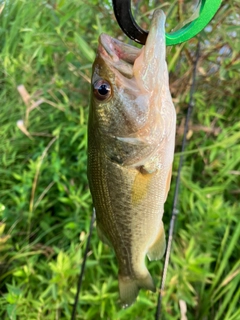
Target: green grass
<point>45,203</point>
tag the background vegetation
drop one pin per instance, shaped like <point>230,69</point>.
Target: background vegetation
<point>47,48</point>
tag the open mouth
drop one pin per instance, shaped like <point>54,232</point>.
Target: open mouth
<point>121,56</point>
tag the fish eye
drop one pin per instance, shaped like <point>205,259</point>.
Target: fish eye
<point>102,89</point>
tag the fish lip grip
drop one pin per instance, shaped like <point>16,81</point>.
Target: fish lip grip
<point>123,13</point>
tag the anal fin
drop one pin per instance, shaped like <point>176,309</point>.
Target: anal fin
<point>102,236</point>
<point>156,251</point>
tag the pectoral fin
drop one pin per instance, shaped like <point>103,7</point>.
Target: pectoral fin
<point>168,182</point>
<point>141,186</point>
<point>156,251</point>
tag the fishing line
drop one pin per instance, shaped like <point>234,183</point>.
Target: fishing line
<point>79,285</point>
<point>176,192</point>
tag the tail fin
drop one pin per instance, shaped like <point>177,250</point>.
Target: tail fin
<point>129,288</point>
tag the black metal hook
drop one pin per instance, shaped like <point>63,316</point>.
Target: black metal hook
<point>123,14</point>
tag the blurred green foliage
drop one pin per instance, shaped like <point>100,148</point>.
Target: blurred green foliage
<point>45,204</point>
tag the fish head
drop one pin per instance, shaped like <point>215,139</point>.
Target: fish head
<point>129,93</point>
<point>115,94</point>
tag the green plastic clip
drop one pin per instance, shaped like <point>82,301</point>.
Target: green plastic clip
<point>208,9</point>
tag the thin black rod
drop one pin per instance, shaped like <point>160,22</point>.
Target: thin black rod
<point>176,193</point>
<point>79,285</point>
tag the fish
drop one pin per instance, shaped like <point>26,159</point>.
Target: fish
<point>131,140</point>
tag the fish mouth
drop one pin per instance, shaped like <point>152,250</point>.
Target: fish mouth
<point>146,65</point>
<point>119,55</point>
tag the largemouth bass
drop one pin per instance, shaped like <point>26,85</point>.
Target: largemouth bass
<point>131,137</point>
